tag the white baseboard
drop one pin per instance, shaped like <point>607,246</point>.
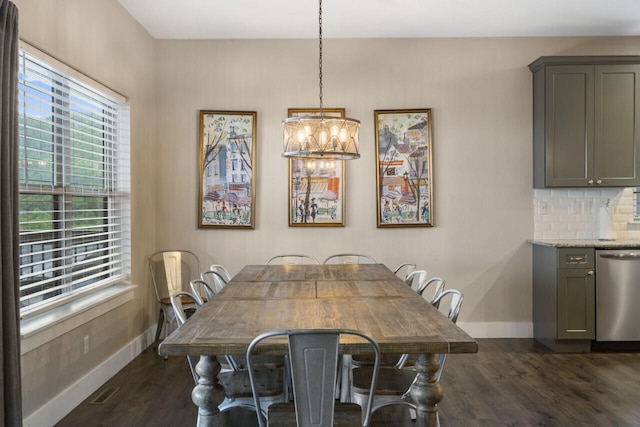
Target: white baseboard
<point>498,329</point>
<point>57,408</point>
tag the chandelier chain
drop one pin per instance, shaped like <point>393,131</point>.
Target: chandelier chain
<point>320,50</point>
<point>316,136</point>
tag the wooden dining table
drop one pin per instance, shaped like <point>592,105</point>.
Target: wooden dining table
<point>365,297</point>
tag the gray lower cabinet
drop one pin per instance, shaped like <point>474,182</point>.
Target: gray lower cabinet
<point>586,121</point>
<point>564,297</point>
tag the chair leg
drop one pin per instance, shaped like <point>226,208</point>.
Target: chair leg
<point>288,382</point>
<point>159,327</point>
<point>345,383</point>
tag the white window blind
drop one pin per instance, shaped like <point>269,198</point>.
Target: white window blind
<point>74,187</point>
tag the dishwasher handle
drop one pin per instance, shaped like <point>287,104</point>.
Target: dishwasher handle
<point>629,255</point>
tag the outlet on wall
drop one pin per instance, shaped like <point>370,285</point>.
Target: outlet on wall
<point>86,344</point>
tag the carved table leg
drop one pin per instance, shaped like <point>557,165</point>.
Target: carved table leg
<point>208,394</point>
<point>426,391</point>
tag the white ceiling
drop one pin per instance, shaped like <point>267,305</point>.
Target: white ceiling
<point>250,19</point>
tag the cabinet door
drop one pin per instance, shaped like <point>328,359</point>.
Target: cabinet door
<point>617,91</point>
<point>569,149</point>
<point>576,303</point>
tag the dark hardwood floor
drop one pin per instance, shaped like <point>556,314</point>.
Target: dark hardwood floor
<point>510,382</point>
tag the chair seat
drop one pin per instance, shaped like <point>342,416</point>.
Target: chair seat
<point>345,415</point>
<point>391,381</point>
<point>237,383</point>
<point>185,301</point>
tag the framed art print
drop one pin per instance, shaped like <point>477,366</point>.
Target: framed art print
<point>404,168</point>
<point>227,152</point>
<point>316,187</point>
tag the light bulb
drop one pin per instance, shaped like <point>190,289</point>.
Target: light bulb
<point>323,138</point>
<point>301,136</point>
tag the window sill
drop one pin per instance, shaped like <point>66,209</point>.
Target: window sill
<point>41,329</point>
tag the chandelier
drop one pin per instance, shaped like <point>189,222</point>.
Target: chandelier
<point>321,136</point>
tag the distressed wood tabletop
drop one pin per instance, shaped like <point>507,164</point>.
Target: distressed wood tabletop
<point>366,297</point>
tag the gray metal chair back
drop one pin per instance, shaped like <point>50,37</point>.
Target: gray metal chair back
<point>404,269</point>
<point>215,280</point>
<point>222,271</point>
<point>201,291</point>
<point>292,260</point>
<point>171,271</point>
<point>313,355</point>
<point>415,280</point>
<point>350,259</point>
<point>455,303</point>
<point>177,302</point>
<point>435,285</point>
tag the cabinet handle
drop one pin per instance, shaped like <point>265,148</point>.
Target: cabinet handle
<point>590,273</point>
<point>590,182</point>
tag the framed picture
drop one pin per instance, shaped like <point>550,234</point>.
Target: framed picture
<point>404,169</point>
<point>316,187</point>
<point>227,152</point>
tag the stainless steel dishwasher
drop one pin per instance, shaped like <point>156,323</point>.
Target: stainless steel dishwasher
<point>618,295</point>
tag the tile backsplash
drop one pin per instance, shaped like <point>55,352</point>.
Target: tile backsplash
<point>573,213</point>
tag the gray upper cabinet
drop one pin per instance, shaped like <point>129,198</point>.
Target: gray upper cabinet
<point>586,117</point>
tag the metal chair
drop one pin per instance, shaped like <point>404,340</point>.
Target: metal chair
<point>404,269</point>
<point>234,380</point>
<point>437,284</point>
<point>416,279</point>
<point>455,302</point>
<point>313,355</point>
<point>222,271</point>
<point>181,316</point>
<point>350,259</point>
<point>292,259</point>
<point>394,383</point>
<point>215,280</point>
<point>201,291</point>
<point>171,272</point>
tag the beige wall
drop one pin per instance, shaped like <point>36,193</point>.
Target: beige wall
<point>480,94</point>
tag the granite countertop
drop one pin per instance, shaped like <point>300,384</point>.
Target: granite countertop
<point>587,243</point>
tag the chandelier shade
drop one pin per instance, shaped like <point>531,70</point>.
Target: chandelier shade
<point>321,137</point>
